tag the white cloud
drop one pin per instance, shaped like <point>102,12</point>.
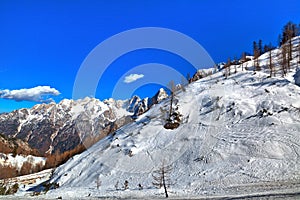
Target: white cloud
<point>37,94</point>
<point>133,77</point>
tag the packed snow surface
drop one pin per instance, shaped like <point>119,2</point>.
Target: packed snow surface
<point>237,135</point>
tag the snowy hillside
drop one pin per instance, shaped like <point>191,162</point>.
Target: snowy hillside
<point>238,135</point>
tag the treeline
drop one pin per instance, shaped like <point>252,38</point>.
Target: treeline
<point>284,55</point>
<point>289,31</point>
<point>52,160</point>
<point>56,159</point>
<point>8,171</point>
<point>28,167</point>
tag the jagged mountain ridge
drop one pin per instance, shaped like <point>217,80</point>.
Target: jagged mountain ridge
<point>61,127</point>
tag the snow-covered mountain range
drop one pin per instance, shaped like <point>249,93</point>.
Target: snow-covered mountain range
<point>60,127</point>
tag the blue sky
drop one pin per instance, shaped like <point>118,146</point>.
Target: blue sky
<point>43,43</point>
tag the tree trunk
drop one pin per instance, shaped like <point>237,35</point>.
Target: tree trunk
<point>165,187</point>
<point>172,96</point>
<point>271,64</point>
<point>290,49</point>
<point>298,51</point>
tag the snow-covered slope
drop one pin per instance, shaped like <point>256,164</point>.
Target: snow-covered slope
<point>237,135</point>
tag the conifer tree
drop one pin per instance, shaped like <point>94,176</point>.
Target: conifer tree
<point>256,54</point>
<point>243,60</point>
<point>260,47</point>
<point>271,66</point>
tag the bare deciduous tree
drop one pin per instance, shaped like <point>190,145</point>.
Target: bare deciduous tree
<point>98,182</point>
<point>161,177</point>
<point>256,61</point>
<point>172,88</point>
<point>290,30</point>
<point>256,54</point>
<point>298,51</point>
<point>271,66</point>
<point>225,73</point>
<point>188,77</point>
<point>235,64</point>
<point>184,83</point>
<point>283,60</point>
<point>260,47</point>
<point>117,185</point>
<point>279,40</point>
<point>243,60</point>
<point>228,66</point>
